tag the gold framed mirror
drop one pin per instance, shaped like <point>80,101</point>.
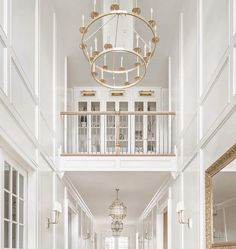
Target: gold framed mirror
<point>220,187</point>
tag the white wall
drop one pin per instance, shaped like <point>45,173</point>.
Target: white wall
<point>203,79</point>
<point>207,109</point>
<point>32,93</point>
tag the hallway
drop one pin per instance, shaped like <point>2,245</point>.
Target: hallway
<point>117,124</point>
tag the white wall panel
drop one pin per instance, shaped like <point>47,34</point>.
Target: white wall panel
<point>23,35</point>
<point>46,60</point>
<point>176,227</point>
<point>3,62</point>
<point>234,17</point>
<point>45,137</point>
<point>234,71</point>
<point>59,196</point>
<point>3,14</point>
<point>217,99</point>
<point>45,202</point>
<point>221,142</point>
<point>190,140</point>
<point>21,99</point>
<point>189,59</point>
<point>12,129</point>
<point>191,201</point>
<point>215,35</point>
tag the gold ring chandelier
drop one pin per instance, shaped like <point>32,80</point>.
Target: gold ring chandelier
<point>113,65</point>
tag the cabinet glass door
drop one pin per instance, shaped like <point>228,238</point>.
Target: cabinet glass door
<point>95,128</point>
<point>110,128</point>
<point>139,106</point>
<point>151,128</point>
<point>124,128</point>
<point>82,128</point>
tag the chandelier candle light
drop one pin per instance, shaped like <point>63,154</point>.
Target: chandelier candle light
<point>117,212</point>
<point>112,65</point>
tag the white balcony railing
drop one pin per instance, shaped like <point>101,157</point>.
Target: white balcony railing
<point>117,133</point>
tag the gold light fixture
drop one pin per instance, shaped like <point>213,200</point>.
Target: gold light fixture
<point>146,93</point>
<point>117,93</point>
<point>112,65</point>
<point>88,93</point>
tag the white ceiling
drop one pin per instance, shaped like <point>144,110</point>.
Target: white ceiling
<point>98,191</point>
<point>70,12</point>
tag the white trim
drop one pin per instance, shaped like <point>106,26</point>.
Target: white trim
<point>77,196</point>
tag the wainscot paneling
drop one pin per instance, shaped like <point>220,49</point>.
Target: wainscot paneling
<point>45,202</point>
<point>224,138</point>
<point>176,227</point>
<point>190,140</point>
<point>23,35</point>
<point>3,51</point>
<point>3,14</point>
<point>217,99</point>
<point>46,61</point>
<point>234,71</point>
<point>46,139</point>
<point>234,17</point>
<point>59,196</point>
<point>22,99</point>
<point>215,35</point>
<point>15,133</point>
<point>189,60</point>
<point>191,201</point>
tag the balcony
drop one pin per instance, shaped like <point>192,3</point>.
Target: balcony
<point>117,139</point>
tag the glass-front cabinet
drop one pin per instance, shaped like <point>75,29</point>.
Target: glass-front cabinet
<point>117,140</point>
<point>89,128</point>
<point>112,127</point>
<point>145,128</point>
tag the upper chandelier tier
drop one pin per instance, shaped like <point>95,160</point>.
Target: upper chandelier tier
<point>119,45</point>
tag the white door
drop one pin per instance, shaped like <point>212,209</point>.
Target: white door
<point>14,205</point>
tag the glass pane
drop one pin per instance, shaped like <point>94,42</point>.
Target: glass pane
<point>14,235</point>
<point>21,236</point>
<point>82,106</point>
<point>6,205</point>
<point>14,181</point>
<point>21,212</point>
<point>14,208</point>
<point>95,106</point>
<point>7,170</point>
<point>6,234</point>
<point>21,186</point>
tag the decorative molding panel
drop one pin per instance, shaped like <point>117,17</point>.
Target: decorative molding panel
<point>46,138</point>
<point>27,108</point>
<point>217,99</point>
<point>214,29</point>
<point>217,145</point>
<point>23,36</point>
<point>3,62</point>
<point>116,163</point>
<point>190,140</point>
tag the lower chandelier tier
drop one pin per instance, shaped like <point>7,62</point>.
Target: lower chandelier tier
<point>107,72</point>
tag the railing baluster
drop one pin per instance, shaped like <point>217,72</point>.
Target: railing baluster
<point>82,137</point>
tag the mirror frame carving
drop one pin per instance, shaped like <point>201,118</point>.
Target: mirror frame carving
<point>216,167</point>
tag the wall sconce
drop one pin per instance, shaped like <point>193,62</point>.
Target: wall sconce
<point>87,235</point>
<point>57,210</point>
<point>180,211</point>
<point>146,93</point>
<point>147,236</point>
